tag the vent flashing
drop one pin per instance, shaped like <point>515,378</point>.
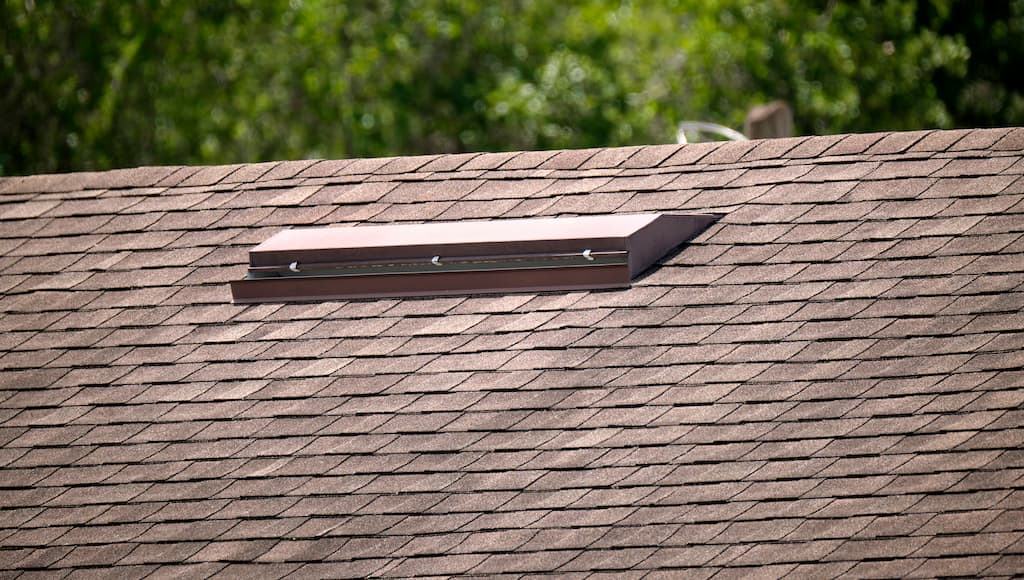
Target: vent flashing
<point>515,255</point>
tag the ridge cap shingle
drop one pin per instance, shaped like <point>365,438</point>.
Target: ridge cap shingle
<point>804,148</point>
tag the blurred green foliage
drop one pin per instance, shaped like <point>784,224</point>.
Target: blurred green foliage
<point>95,84</point>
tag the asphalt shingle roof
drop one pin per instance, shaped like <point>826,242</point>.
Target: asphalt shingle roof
<point>826,382</point>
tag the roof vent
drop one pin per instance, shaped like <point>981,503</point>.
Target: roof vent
<point>515,255</point>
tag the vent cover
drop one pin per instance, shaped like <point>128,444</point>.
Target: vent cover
<point>515,255</point>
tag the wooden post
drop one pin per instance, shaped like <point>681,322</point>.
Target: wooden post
<point>769,121</point>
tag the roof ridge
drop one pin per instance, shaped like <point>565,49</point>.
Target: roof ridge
<point>605,158</point>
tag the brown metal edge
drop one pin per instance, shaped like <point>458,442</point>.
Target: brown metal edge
<point>429,284</point>
<point>540,247</point>
<point>669,231</point>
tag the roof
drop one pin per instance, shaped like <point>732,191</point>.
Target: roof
<point>826,381</point>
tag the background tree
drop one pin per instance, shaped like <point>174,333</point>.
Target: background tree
<point>94,84</point>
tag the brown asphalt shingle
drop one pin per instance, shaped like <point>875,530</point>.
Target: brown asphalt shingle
<point>823,383</point>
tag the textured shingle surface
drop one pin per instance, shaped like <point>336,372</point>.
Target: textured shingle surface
<point>826,382</point>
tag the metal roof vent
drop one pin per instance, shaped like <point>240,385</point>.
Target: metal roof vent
<point>514,255</point>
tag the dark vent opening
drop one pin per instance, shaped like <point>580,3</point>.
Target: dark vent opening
<point>501,256</point>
